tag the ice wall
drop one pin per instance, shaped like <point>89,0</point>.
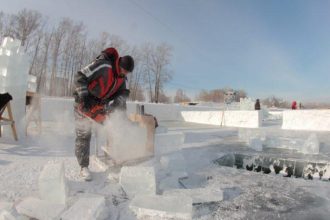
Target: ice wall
<point>14,79</point>
<point>318,120</point>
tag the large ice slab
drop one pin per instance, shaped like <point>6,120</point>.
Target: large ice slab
<point>198,195</point>
<point>52,183</point>
<point>138,180</point>
<point>91,207</point>
<point>168,142</point>
<point>14,67</point>
<point>162,207</point>
<point>39,209</point>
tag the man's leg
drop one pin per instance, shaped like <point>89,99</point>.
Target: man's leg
<point>83,138</point>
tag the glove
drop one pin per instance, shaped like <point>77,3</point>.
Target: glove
<point>86,104</point>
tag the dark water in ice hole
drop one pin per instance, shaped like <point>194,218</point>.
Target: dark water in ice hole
<point>271,164</point>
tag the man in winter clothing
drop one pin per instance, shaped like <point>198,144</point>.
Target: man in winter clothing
<point>257,105</point>
<point>100,87</point>
<point>294,105</point>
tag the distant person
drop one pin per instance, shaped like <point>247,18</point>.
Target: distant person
<point>294,105</point>
<point>300,105</point>
<point>96,85</point>
<point>257,105</point>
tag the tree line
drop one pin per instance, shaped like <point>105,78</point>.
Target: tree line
<point>58,51</point>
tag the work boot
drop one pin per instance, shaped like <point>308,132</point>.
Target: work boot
<point>85,174</point>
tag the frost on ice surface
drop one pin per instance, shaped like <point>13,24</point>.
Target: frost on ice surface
<point>138,180</point>
<point>312,145</point>
<point>255,144</point>
<point>198,195</point>
<point>91,207</point>
<point>162,207</point>
<point>52,183</point>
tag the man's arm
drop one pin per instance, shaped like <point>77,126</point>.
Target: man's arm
<point>119,101</point>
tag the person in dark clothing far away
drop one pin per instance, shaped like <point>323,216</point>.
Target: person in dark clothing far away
<point>100,88</point>
<point>257,105</point>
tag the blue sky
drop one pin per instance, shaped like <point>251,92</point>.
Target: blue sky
<point>274,47</point>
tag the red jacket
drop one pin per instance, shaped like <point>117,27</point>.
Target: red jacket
<point>99,83</point>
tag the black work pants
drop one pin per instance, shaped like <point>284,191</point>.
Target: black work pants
<point>83,138</point>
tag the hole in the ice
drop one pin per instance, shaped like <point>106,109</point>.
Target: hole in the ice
<point>286,167</point>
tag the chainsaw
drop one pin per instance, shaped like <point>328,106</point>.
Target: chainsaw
<point>97,113</point>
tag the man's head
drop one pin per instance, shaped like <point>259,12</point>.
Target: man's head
<point>126,64</point>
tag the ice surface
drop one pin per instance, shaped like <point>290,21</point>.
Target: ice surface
<point>171,181</point>
<point>168,142</point>
<point>173,163</point>
<point>255,144</point>
<point>52,183</point>
<point>312,145</point>
<point>138,180</point>
<point>198,195</point>
<point>91,207</point>
<point>39,209</point>
<point>162,207</point>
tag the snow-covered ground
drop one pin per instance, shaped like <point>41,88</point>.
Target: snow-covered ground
<point>190,164</point>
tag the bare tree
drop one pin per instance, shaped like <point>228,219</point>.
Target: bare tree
<point>273,101</point>
<point>146,55</point>
<point>59,34</point>
<point>163,98</point>
<point>156,61</point>
<point>180,96</point>
<point>25,24</point>
<point>159,66</point>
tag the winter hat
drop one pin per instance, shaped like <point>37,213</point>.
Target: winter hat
<point>127,63</point>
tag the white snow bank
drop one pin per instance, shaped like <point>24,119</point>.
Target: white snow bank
<point>162,207</point>
<point>248,119</point>
<point>318,120</point>
<point>61,109</point>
